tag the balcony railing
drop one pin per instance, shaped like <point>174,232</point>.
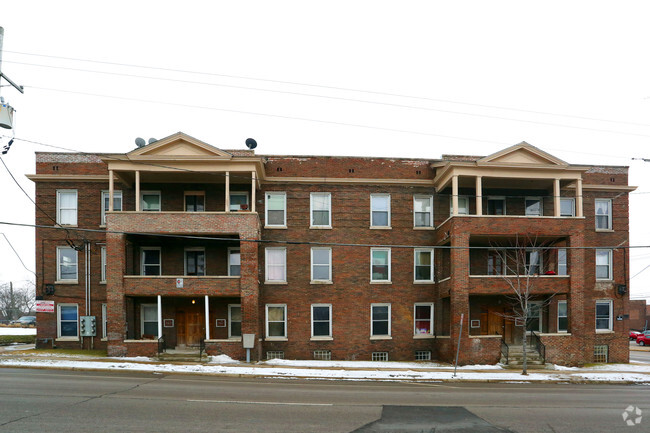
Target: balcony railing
<point>140,285</point>
<point>245,223</point>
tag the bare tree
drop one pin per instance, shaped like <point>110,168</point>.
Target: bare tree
<point>16,301</point>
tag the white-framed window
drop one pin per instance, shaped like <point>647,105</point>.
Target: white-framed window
<point>195,261</point>
<point>496,206</point>
<point>117,203</point>
<point>562,267</point>
<point>194,201</point>
<point>603,264</point>
<point>234,262</point>
<point>533,261</point>
<point>562,316</point>
<point>103,264</point>
<point>567,207</point>
<point>320,209</point>
<point>104,321</point>
<point>423,355</point>
<point>67,320</point>
<point>423,318</point>
<point>496,262</point>
<point>380,320</point>
<point>321,264</point>
<point>534,206</point>
<point>463,205</point>
<point>604,315</point>
<point>276,264</point>
<point>276,320</point>
<point>150,201</point>
<point>321,320</point>
<point>239,201</point>
<point>66,264</point>
<point>149,319</point>
<point>380,210</point>
<point>422,211</point>
<point>66,207</point>
<point>150,261</point>
<point>276,209</point>
<point>234,320</point>
<point>423,264</point>
<point>603,214</point>
<point>380,265</point>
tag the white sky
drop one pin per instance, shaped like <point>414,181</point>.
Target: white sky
<point>453,63</point>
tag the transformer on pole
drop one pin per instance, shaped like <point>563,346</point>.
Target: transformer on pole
<point>6,110</point>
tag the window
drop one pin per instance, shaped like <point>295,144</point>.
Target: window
<point>380,320</point>
<point>380,264</point>
<point>234,262</point>
<point>275,354</point>
<point>276,320</point>
<point>562,262</point>
<point>321,205</point>
<point>380,210</point>
<point>423,270</point>
<point>423,355</point>
<point>150,201</point>
<point>533,262</point>
<point>496,205</point>
<point>534,206</point>
<point>68,321</point>
<point>463,205</point>
<point>495,264</point>
<point>323,355</point>
<point>117,203</point>
<point>276,205</point>
<point>423,319</point>
<point>276,264</point>
<point>234,320</point>
<point>601,353</point>
<point>104,321</point>
<point>321,320</point>
<point>321,264</point>
<point>149,320</point>
<point>103,264</point>
<point>604,315</point>
<point>66,207</point>
<point>603,214</point>
<point>150,261</point>
<point>567,207</point>
<point>380,356</point>
<point>66,266</point>
<point>534,316</point>
<point>422,211</point>
<point>238,201</point>
<point>195,261</point>
<point>194,201</point>
<point>603,264</point>
<point>562,316</point>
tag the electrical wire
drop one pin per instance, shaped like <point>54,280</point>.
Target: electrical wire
<point>17,255</point>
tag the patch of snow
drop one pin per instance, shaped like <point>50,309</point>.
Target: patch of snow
<point>4,330</point>
<point>222,359</point>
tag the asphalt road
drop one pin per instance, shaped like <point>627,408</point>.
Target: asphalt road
<point>68,401</point>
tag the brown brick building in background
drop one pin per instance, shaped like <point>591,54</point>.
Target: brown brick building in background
<point>332,257</point>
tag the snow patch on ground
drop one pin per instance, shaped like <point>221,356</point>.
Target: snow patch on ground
<point>17,331</point>
<point>222,359</point>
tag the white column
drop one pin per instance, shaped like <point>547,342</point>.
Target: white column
<point>207,317</point>
<point>253,188</point>
<point>137,191</point>
<point>159,316</point>
<point>110,190</point>
<point>579,198</point>
<point>556,197</point>
<point>227,191</point>
<point>454,195</point>
<point>479,195</point>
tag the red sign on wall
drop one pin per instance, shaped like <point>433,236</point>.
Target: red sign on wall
<point>45,306</point>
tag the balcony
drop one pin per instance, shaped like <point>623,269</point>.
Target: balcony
<point>499,284</point>
<point>166,285</point>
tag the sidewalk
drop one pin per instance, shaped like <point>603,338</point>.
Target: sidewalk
<point>19,357</point>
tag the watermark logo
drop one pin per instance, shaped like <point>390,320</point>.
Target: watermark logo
<point>632,415</point>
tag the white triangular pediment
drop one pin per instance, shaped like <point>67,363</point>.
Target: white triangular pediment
<point>522,154</point>
<point>179,145</point>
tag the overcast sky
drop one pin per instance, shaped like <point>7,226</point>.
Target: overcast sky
<point>367,78</point>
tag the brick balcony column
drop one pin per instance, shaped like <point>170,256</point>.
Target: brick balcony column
<point>581,315</point>
<point>459,294</point>
<point>250,294</point>
<point>115,301</point>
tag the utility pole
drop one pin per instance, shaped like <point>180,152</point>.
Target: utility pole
<point>6,110</point>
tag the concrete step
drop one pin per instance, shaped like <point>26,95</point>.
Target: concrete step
<point>183,357</point>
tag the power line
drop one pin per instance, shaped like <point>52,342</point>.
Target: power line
<point>347,89</point>
<point>16,253</point>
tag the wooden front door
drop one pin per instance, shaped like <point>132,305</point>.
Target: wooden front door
<point>190,326</point>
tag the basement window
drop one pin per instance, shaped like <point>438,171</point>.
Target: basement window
<point>323,355</point>
<point>601,353</point>
<point>380,356</point>
<point>275,354</point>
<point>423,355</point>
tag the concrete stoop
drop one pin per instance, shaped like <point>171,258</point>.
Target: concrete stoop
<point>515,361</point>
<point>184,356</point>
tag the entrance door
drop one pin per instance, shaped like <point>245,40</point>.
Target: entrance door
<point>190,326</point>
<point>500,322</point>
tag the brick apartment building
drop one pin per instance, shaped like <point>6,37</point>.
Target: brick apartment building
<point>331,257</point>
